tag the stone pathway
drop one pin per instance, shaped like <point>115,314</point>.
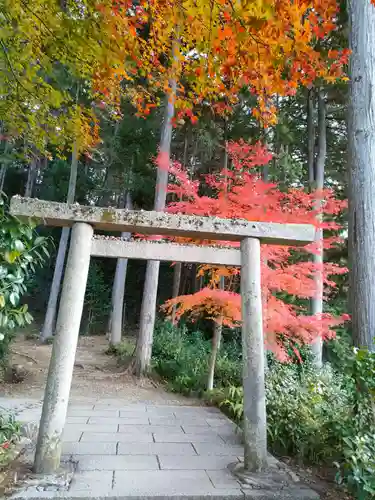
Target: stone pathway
<point>130,451</point>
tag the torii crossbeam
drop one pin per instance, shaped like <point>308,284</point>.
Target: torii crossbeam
<point>84,220</point>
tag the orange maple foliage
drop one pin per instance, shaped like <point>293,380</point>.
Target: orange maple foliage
<point>241,193</point>
<point>214,49</point>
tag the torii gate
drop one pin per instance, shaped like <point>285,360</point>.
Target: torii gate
<point>83,245</point>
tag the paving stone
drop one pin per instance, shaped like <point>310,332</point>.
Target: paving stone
<point>195,463</point>
<point>91,427</point>
<point>199,429</point>
<point>162,411</point>
<point>77,420</point>
<point>142,415</point>
<point>126,421</point>
<point>219,422</point>
<point>156,449</point>
<point>162,437</point>
<point>78,407</point>
<point>120,406</point>
<point>93,413</point>
<point>232,437</point>
<point>284,494</point>
<point>201,414</point>
<point>116,437</point>
<point>92,483</point>
<point>208,449</point>
<point>168,421</point>
<point>191,409</point>
<point>89,448</point>
<point>116,462</point>
<point>71,435</point>
<point>223,479</point>
<point>162,483</point>
<point>150,429</point>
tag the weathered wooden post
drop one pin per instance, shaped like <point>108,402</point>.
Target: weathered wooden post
<point>56,398</point>
<point>254,398</point>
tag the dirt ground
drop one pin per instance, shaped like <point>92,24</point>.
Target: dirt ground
<point>96,374</point>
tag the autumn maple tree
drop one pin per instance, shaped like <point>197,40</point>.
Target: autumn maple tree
<point>267,46</point>
<point>241,193</point>
<point>44,47</point>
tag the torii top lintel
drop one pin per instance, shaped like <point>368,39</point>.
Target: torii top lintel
<point>51,213</point>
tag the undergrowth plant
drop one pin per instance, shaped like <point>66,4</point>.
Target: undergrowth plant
<point>182,359</point>
<point>22,250</point>
<point>9,433</point>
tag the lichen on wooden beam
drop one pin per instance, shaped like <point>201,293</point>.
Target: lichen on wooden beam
<point>153,223</point>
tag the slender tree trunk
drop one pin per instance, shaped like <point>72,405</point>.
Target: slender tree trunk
<point>31,176</point>
<point>178,265</point>
<point>216,342</point>
<point>3,170</point>
<point>362,172</point>
<point>148,309</point>
<point>310,137</point>
<point>118,291</point>
<point>265,177</point>
<point>49,320</point>
<point>176,286</point>
<point>317,300</point>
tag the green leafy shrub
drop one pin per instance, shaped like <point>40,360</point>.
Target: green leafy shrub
<point>182,359</point>
<point>9,433</point>
<point>322,416</point>
<point>232,402</point>
<point>358,468</point>
<point>21,252</point>
<point>123,351</point>
<point>306,412</point>
<point>97,303</point>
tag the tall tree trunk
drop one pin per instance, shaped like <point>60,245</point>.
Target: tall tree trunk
<point>265,177</point>
<point>118,291</point>
<point>176,287</point>
<point>49,320</point>
<point>148,308</point>
<point>317,300</point>
<point>178,265</point>
<point>216,342</point>
<point>362,172</point>
<point>31,177</point>
<point>310,137</point>
<point>3,170</point>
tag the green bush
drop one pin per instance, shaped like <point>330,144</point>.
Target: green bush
<point>322,416</point>
<point>182,359</point>
<point>9,432</point>
<point>97,303</point>
<point>21,251</point>
<point>305,412</point>
<point>358,467</point>
<point>123,351</point>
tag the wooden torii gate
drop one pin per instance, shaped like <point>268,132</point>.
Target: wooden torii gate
<point>84,220</point>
